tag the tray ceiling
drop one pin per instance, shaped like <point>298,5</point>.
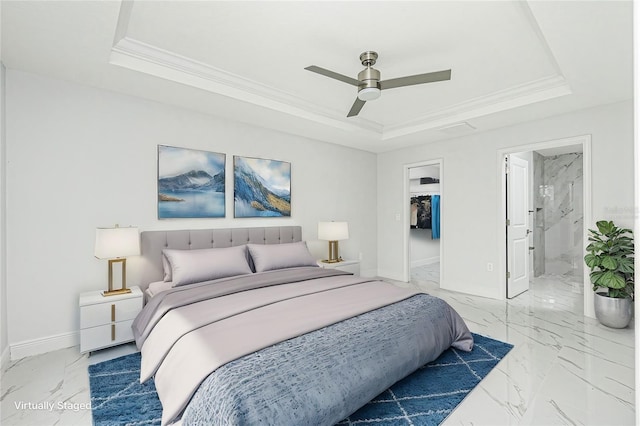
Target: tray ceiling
<point>511,61</point>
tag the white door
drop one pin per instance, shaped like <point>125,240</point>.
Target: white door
<point>517,226</point>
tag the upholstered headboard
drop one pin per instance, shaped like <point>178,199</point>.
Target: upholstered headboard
<point>153,242</point>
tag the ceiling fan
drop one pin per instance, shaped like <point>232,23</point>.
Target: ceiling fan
<point>369,84</point>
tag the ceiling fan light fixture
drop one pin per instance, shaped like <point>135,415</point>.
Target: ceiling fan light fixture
<point>369,93</point>
<point>369,84</point>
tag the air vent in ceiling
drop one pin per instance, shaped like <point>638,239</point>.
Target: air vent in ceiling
<point>457,128</point>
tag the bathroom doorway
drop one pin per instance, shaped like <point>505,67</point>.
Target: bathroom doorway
<point>559,216</point>
<point>556,217</point>
<point>558,210</point>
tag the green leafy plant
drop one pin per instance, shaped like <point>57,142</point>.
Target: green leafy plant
<point>610,258</point>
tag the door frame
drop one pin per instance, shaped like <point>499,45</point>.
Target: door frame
<point>501,232</point>
<point>406,216</point>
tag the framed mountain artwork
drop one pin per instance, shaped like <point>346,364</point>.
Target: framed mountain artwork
<point>191,183</point>
<point>262,188</point>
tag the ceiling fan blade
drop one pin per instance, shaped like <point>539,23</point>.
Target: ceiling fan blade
<point>430,77</point>
<point>333,75</point>
<point>357,106</point>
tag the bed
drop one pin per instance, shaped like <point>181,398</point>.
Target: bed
<point>250,330</point>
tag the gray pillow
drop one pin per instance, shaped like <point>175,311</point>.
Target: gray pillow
<point>267,257</point>
<point>192,266</point>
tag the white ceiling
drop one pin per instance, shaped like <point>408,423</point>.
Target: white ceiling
<point>511,61</point>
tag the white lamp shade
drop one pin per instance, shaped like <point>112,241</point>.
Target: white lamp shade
<point>333,231</point>
<point>117,242</point>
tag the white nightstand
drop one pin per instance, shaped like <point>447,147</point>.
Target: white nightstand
<point>106,320</point>
<point>352,266</point>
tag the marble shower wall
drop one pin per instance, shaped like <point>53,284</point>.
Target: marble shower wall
<point>563,214</point>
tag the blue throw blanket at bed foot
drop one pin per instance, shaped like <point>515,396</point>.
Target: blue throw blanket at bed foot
<point>426,397</point>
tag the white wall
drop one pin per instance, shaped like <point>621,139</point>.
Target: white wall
<point>81,157</point>
<point>4,343</point>
<point>471,205</point>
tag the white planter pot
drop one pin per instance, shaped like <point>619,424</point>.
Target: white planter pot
<point>613,312</point>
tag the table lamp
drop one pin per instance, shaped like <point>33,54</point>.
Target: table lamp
<point>115,244</point>
<point>333,232</point>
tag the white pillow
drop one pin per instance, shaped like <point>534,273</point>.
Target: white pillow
<point>267,257</point>
<point>192,266</point>
<point>166,266</point>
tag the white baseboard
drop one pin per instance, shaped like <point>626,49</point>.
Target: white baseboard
<point>5,359</point>
<point>424,262</point>
<point>43,345</point>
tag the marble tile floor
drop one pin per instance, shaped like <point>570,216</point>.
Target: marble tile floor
<point>564,368</point>
<point>52,388</point>
<point>426,274</point>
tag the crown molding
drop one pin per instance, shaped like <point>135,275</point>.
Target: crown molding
<point>513,97</point>
<point>152,60</point>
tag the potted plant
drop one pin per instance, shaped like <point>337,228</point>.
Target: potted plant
<point>610,259</point>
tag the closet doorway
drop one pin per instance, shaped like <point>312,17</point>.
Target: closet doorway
<point>424,225</point>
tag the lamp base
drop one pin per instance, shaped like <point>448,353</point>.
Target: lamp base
<point>116,292</point>
<point>124,290</point>
<point>334,257</point>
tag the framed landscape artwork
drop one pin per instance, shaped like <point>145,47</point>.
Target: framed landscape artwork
<point>190,183</point>
<point>262,188</point>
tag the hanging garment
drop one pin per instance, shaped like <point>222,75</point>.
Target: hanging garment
<point>422,213</point>
<point>426,206</point>
<point>414,215</point>
<point>435,217</point>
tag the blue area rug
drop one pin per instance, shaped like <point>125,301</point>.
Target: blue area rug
<point>425,397</point>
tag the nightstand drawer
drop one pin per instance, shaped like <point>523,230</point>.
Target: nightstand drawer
<point>106,335</point>
<point>108,312</point>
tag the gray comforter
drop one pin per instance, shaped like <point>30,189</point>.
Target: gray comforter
<point>190,333</point>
